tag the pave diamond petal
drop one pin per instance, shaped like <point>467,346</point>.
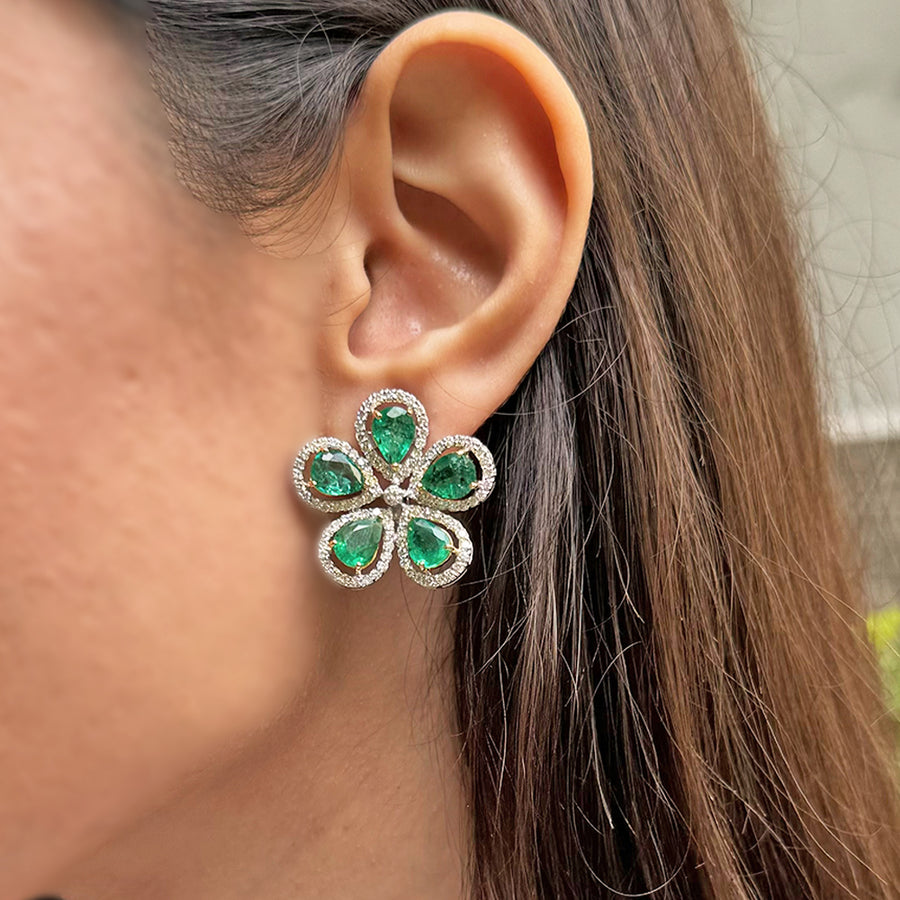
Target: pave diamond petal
<point>395,472</point>
<point>425,479</point>
<point>358,576</point>
<point>457,559</point>
<point>307,488</point>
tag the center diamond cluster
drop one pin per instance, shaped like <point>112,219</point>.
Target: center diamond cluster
<point>394,495</point>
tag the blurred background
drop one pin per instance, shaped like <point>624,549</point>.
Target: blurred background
<point>830,70</point>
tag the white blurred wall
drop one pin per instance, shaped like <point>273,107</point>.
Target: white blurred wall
<point>831,70</point>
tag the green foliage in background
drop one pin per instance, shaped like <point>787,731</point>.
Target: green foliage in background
<point>884,632</point>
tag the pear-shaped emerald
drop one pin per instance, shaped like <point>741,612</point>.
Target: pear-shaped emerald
<point>334,474</point>
<point>429,544</point>
<point>451,476</point>
<point>356,543</point>
<point>393,430</point>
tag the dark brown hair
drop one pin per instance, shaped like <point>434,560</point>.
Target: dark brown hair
<point>663,682</point>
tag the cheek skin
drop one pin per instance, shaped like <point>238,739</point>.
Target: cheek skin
<point>154,596</point>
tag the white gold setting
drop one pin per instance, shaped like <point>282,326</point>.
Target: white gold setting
<point>401,504</point>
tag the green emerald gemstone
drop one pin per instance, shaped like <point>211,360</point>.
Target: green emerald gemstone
<point>334,474</point>
<point>356,543</point>
<point>451,476</point>
<point>429,544</point>
<point>393,430</point>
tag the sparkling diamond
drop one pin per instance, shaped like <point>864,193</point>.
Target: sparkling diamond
<point>393,495</point>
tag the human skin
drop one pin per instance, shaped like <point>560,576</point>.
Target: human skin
<point>189,708</point>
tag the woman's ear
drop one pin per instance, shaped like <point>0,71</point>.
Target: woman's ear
<point>465,186</point>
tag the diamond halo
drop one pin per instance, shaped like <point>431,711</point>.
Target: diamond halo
<point>401,504</point>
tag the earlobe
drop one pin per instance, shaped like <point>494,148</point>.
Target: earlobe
<point>470,181</point>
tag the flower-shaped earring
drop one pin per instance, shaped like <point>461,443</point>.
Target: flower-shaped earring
<point>455,474</point>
